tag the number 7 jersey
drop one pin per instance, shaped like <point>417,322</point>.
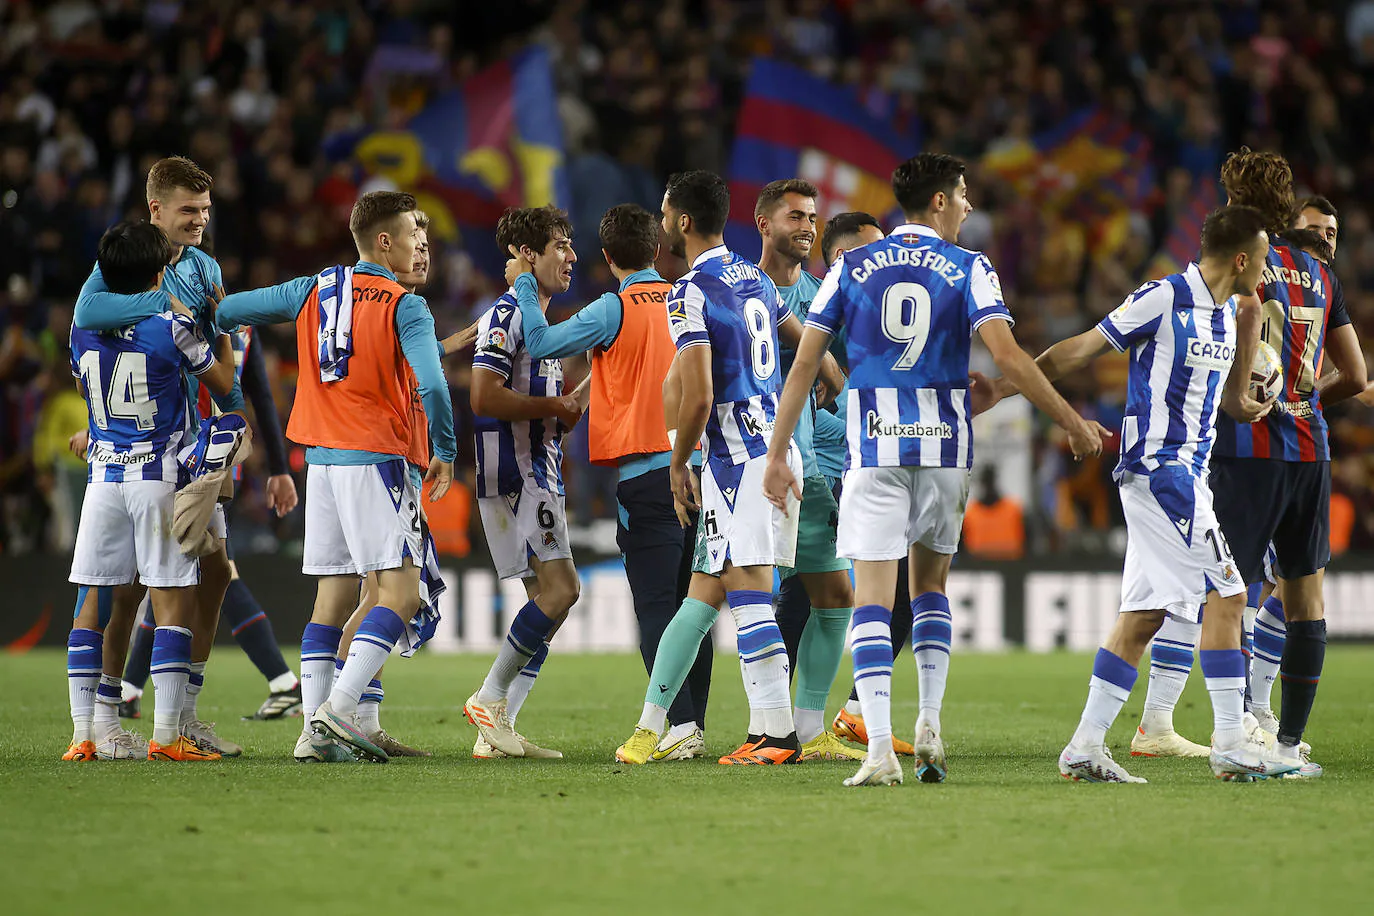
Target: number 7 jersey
<point>1302,302</point>
<point>727,303</point>
<point>910,303</point>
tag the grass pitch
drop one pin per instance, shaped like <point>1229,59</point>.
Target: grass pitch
<point>265,835</point>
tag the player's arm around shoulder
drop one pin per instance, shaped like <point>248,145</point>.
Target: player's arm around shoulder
<point>212,364</point>
<point>98,309</point>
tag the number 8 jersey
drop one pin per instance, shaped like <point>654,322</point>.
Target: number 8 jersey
<point>910,304</point>
<point>727,303</point>
<point>137,397</point>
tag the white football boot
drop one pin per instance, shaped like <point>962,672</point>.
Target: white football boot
<point>883,771</point>
<point>1093,765</point>
<point>1165,744</point>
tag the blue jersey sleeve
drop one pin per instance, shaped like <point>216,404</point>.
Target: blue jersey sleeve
<point>1139,316</point>
<point>595,324</point>
<point>985,294</point>
<point>269,305</point>
<point>98,309</point>
<point>827,309</point>
<point>687,315</point>
<point>415,326</point>
<point>496,339</point>
<point>1338,316</point>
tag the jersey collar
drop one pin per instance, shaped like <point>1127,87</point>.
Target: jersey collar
<point>914,228</point>
<point>708,254</point>
<point>367,267</point>
<point>1193,277</point>
<point>647,275</point>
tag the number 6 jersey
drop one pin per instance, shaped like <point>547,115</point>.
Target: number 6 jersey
<point>910,304</point>
<point>137,398</point>
<point>727,303</point>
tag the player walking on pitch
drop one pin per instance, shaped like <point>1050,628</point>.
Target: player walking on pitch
<point>1181,334</point>
<point>910,304</point>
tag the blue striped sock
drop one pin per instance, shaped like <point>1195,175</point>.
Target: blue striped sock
<point>932,629</point>
<point>871,646</point>
<point>1110,685</point>
<point>1224,672</point>
<point>84,658</point>
<point>370,707</point>
<point>524,682</point>
<point>319,644</point>
<point>171,670</point>
<point>376,636</point>
<point>528,631</point>
<point>1171,661</point>
<point>1271,630</point>
<point>763,661</point>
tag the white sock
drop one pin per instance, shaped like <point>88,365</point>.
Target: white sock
<point>853,707</point>
<point>764,662</point>
<point>106,720</point>
<point>683,730</point>
<point>654,718</point>
<point>317,679</point>
<point>526,636</point>
<point>1270,632</point>
<point>1104,704</point>
<point>1171,661</point>
<point>365,659</point>
<point>931,633</point>
<point>810,723</point>
<point>367,717</point>
<point>194,683</point>
<point>129,691</point>
<point>170,675</point>
<point>81,694</point>
<point>870,635</point>
<point>282,682</point>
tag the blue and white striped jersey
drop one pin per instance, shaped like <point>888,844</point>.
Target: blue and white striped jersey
<point>727,303</point>
<point>137,395</point>
<point>1182,344</point>
<point>509,453</point>
<point>910,304</point>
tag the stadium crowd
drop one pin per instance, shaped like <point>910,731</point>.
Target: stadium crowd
<point>271,97</point>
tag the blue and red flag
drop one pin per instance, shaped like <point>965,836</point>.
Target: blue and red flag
<point>493,142</point>
<point>1180,247</point>
<point>794,124</point>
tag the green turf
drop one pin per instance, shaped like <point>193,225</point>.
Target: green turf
<point>265,835</point>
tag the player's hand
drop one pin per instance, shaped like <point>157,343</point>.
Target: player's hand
<point>1085,439</point>
<point>461,340</point>
<point>281,494</point>
<point>778,479</point>
<point>686,497</point>
<point>567,411</point>
<point>179,307</point>
<point>79,443</point>
<point>983,393</point>
<point>440,475</point>
<point>517,265</point>
<point>1251,410</point>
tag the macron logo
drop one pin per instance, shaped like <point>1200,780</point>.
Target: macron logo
<point>502,313</point>
<point>1183,525</point>
<point>1183,318</point>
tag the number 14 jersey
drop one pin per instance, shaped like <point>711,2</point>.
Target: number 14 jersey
<point>727,303</point>
<point>910,304</point>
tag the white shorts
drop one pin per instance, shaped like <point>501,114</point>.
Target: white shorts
<point>883,511</point>
<point>1175,551</point>
<point>360,518</point>
<point>126,530</point>
<point>739,523</point>
<point>532,523</point>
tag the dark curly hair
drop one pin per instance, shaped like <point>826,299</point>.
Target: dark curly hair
<point>1261,180</point>
<point>534,227</point>
<point>629,235</point>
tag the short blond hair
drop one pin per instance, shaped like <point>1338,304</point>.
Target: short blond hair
<point>167,175</point>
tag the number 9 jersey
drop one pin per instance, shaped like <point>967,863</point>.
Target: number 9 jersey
<point>910,303</point>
